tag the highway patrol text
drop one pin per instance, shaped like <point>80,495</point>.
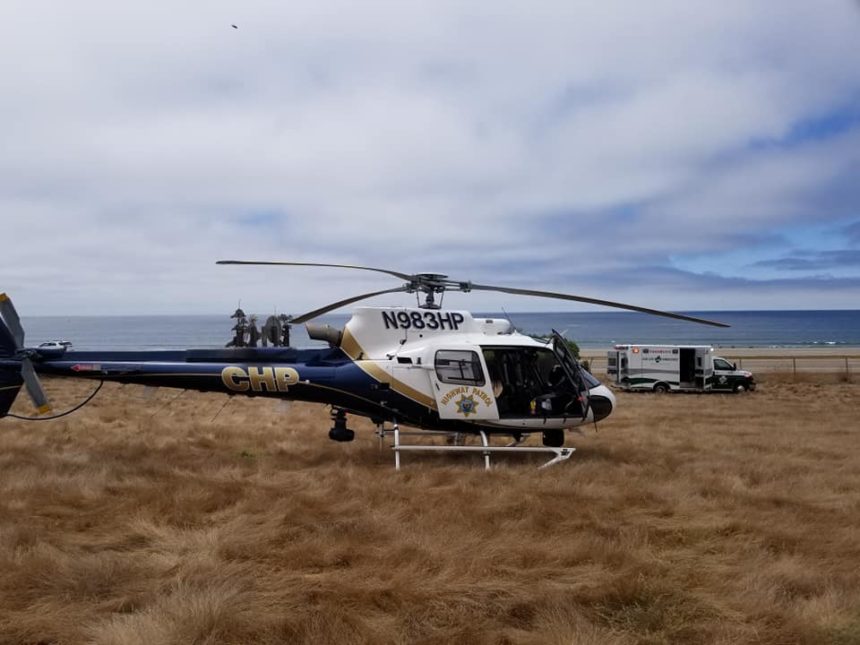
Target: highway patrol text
<point>464,390</point>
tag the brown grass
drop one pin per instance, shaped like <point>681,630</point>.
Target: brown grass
<point>686,518</point>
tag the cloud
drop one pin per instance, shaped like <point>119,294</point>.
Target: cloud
<point>852,232</point>
<point>548,145</point>
<point>815,261</point>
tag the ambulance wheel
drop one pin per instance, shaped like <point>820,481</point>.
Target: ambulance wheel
<point>553,438</point>
<point>661,388</point>
<point>740,388</point>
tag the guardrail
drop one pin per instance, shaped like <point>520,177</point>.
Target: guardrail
<point>795,364</point>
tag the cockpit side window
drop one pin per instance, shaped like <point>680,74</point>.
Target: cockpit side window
<point>459,367</point>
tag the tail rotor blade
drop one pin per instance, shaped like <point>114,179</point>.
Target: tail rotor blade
<point>10,317</point>
<point>34,387</point>
<point>12,343</point>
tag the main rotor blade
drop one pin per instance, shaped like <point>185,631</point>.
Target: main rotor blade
<point>595,301</point>
<point>10,317</point>
<point>396,274</point>
<point>341,303</point>
<point>34,387</point>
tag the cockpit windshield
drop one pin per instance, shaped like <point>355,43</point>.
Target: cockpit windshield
<point>586,375</point>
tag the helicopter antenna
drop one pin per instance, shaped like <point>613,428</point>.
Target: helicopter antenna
<point>510,320</point>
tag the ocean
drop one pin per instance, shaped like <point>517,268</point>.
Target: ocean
<point>590,330</point>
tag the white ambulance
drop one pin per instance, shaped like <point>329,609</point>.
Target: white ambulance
<point>683,368</point>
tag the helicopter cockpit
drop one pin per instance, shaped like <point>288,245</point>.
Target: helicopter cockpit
<point>532,381</point>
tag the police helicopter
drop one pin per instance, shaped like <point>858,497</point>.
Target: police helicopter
<point>436,370</point>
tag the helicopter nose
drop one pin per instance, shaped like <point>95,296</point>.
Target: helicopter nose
<point>601,400</point>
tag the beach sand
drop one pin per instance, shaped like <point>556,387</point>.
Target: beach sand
<point>153,516</point>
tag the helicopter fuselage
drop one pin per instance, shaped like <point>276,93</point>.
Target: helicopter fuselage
<point>432,369</point>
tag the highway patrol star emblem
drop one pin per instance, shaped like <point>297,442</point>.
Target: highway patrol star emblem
<point>466,405</point>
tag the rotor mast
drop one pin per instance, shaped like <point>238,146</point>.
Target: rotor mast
<point>432,283</point>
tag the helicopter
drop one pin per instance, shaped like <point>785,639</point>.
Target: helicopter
<point>439,371</point>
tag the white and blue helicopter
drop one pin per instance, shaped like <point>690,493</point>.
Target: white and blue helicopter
<point>433,369</point>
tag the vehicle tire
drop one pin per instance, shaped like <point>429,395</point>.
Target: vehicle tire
<point>740,388</point>
<point>553,438</point>
<point>661,388</point>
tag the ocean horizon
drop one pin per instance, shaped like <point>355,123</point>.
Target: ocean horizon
<point>591,330</point>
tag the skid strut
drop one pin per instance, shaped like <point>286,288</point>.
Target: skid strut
<point>561,453</point>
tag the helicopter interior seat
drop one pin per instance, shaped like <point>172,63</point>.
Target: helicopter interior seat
<point>568,398</point>
<point>505,385</point>
<point>557,397</point>
<point>526,383</point>
<point>523,382</point>
<point>572,405</point>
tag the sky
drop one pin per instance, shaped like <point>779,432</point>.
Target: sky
<point>680,155</point>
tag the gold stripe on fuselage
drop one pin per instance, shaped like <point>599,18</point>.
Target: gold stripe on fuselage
<point>352,349</point>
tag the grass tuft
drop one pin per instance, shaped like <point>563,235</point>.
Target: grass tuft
<point>685,519</point>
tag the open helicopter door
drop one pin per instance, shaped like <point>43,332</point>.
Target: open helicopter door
<point>460,385</point>
<point>572,369</point>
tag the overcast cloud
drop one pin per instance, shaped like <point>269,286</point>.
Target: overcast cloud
<point>676,154</point>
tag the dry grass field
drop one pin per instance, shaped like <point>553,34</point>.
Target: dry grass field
<point>685,518</point>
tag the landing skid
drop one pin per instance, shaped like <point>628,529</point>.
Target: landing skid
<point>456,445</point>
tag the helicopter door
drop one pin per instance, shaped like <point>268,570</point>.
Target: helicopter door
<point>460,386</point>
<point>572,369</point>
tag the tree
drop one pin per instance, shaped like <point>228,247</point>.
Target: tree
<point>571,344</point>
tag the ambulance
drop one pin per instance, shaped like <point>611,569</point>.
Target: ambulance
<point>675,368</point>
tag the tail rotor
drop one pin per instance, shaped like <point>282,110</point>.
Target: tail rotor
<point>16,366</point>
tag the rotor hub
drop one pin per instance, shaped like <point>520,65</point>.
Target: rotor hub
<point>432,283</point>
